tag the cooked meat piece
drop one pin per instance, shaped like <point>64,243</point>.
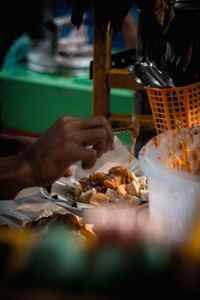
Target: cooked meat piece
<point>119,184</point>
<point>112,181</point>
<point>100,189</point>
<point>121,190</point>
<point>127,198</point>
<point>124,173</point>
<point>99,176</point>
<point>69,220</point>
<point>118,170</point>
<point>94,180</point>
<point>78,190</point>
<point>87,231</point>
<point>84,182</point>
<point>97,198</point>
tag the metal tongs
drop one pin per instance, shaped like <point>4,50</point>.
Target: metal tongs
<point>145,72</point>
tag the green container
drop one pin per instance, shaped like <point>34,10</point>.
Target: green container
<point>31,101</point>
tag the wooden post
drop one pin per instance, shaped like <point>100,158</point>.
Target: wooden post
<point>104,77</point>
<point>101,67</point>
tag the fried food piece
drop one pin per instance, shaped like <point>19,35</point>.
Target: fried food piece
<point>87,231</point>
<point>121,190</point>
<point>68,220</point>
<point>85,183</point>
<point>119,184</point>
<point>94,180</point>
<point>97,176</point>
<point>125,174</point>
<point>97,198</point>
<point>112,181</point>
<point>78,190</point>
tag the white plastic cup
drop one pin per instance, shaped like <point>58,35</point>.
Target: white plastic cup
<point>174,196</point>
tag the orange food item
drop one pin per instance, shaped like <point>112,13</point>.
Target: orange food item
<point>118,185</point>
<point>134,130</point>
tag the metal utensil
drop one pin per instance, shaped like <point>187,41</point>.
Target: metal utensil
<point>147,73</point>
<point>70,200</point>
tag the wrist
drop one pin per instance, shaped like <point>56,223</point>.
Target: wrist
<point>27,170</point>
<point>17,173</point>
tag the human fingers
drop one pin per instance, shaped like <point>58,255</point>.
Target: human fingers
<point>101,122</point>
<point>67,172</point>
<point>104,138</point>
<point>64,123</point>
<point>65,119</point>
<point>70,171</point>
<point>88,157</point>
<point>94,137</point>
<point>100,148</point>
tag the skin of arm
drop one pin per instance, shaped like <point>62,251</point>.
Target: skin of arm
<point>10,145</point>
<point>68,140</point>
<point>16,173</point>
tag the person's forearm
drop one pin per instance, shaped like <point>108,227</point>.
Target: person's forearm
<point>10,145</point>
<point>17,172</point>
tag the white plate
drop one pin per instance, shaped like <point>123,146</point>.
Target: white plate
<point>62,186</point>
<point>87,211</point>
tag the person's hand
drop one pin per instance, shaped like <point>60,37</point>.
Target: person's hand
<point>69,140</point>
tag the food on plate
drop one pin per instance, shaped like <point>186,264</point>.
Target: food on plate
<point>69,221</point>
<point>118,185</point>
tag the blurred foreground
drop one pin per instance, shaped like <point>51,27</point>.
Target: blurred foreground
<point>118,261</point>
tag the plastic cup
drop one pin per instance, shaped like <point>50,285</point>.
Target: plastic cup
<point>174,195</point>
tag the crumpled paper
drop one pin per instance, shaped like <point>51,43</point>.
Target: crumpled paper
<point>16,213</point>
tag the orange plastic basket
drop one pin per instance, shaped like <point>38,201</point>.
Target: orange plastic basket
<point>175,107</point>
